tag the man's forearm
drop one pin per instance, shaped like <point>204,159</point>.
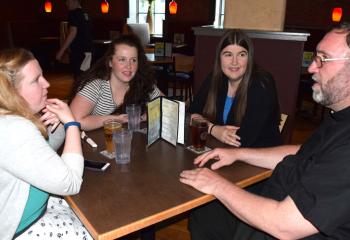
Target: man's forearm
<point>266,157</point>
<point>70,37</point>
<point>280,219</point>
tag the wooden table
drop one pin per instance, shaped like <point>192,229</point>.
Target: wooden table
<point>49,38</point>
<point>159,60</point>
<point>102,41</point>
<point>128,198</point>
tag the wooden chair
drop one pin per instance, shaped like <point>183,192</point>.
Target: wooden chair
<point>283,121</point>
<point>181,79</point>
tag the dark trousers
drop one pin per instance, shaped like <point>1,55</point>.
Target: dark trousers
<point>76,59</point>
<point>215,222</point>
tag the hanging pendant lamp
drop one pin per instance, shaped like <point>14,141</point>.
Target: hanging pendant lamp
<point>337,14</point>
<point>172,7</point>
<point>48,6</point>
<point>104,7</point>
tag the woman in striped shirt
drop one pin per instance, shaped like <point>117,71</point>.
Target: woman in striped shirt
<point>122,76</point>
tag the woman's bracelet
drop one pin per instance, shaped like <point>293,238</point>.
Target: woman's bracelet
<point>68,124</point>
<point>212,126</point>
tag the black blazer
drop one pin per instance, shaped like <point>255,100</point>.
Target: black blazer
<point>259,127</point>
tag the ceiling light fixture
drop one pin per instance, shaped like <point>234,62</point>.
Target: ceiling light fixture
<point>173,7</point>
<point>48,6</point>
<point>337,14</point>
<point>104,7</point>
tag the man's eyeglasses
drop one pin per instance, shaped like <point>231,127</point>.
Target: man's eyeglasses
<point>319,60</point>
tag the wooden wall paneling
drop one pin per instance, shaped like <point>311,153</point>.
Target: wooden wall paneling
<point>21,9</point>
<point>187,11</point>
<point>103,23</point>
<point>4,39</point>
<point>15,11</point>
<point>28,21</point>
<point>315,14</point>
<point>205,57</point>
<point>263,14</point>
<point>189,14</point>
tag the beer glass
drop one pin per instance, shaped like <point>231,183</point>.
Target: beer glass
<point>199,132</point>
<point>110,126</point>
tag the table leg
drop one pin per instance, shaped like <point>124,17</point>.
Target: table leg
<point>148,233</point>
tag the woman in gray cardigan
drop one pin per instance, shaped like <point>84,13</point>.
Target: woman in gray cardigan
<point>30,168</point>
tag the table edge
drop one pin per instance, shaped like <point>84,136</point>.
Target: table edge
<point>156,218</point>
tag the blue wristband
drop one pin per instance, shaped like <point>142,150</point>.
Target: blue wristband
<point>68,124</point>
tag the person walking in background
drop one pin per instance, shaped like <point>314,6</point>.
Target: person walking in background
<point>30,169</point>
<point>307,196</point>
<point>78,40</point>
<point>238,99</point>
<point>122,76</point>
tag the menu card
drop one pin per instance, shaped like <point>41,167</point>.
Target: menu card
<point>159,49</point>
<point>166,120</point>
<point>168,49</point>
<point>307,58</point>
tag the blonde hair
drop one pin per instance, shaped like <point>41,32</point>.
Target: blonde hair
<point>11,102</point>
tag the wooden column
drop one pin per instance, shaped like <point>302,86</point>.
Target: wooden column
<point>253,14</point>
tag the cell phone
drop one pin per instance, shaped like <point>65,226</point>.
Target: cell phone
<point>96,166</point>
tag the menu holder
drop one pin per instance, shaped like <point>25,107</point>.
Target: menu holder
<point>159,49</point>
<point>166,120</point>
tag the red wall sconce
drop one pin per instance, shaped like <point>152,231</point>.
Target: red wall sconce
<point>48,6</point>
<point>104,7</point>
<point>337,14</point>
<point>173,7</point>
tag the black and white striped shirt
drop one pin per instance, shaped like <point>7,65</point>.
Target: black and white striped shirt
<point>99,92</point>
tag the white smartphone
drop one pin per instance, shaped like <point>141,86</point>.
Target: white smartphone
<point>96,166</point>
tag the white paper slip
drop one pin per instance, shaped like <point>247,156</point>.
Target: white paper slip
<point>107,154</point>
<point>88,140</point>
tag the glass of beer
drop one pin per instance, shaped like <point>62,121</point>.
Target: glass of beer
<point>110,126</point>
<point>199,132</point>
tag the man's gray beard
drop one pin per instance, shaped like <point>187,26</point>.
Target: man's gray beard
<point>322,96</point>
<point>318,96</point>
<point>335,90</point>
